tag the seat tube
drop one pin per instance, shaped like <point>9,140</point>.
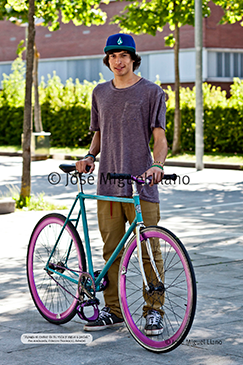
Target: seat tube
<point>86,236</point>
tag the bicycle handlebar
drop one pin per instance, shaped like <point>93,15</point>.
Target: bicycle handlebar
<point>69,168</point>
<point>138,179</point>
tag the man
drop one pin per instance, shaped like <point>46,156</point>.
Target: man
<point>126,112</point>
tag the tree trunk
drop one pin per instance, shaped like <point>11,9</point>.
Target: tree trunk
<point>27,124</point>
<point>176,147</point>
<point>37,109</point>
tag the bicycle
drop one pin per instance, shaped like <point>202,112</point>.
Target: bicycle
<point>155,268</point>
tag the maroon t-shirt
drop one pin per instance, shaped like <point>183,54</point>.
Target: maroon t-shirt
<point>126,119</point>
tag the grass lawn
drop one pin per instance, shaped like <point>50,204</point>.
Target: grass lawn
<point>69,151</point>
<point>53,150</point>
<point>187,156</point>
<point>234,158</point>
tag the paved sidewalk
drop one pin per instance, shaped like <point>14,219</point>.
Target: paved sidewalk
<point>205,209</point>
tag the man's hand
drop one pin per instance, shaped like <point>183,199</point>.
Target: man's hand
<point>82,164</point>
<point>156,173</point>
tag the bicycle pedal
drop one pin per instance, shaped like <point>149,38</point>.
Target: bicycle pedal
<point>88,303</point>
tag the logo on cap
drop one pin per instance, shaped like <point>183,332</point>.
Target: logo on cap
<point>120,41</point>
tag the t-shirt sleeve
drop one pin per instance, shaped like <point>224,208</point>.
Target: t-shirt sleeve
<point>94,122</point>
<point>158,112</point>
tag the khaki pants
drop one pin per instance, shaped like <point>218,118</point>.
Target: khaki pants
<point>112,217</point>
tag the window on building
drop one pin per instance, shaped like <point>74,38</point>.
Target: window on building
<point>236,64</point>
<point>219,64</point>
<point>229,64</point>
<point>241,65</point>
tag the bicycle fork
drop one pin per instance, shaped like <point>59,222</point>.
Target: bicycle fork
<point>139,226</point>
<point>151,258</point>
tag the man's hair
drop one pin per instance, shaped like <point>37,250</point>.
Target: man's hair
<point>134,56</point>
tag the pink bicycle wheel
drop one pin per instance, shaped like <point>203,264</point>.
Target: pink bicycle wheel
<point>173,296</point>
<point>54,295</point>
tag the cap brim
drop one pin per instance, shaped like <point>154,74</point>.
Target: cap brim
<point>119,48</point>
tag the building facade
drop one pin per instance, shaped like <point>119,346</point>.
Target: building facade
<point>77,51</point>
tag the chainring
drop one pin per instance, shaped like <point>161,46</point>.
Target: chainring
<point>86,287</point>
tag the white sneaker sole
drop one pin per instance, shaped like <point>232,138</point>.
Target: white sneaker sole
<point>153,332</point>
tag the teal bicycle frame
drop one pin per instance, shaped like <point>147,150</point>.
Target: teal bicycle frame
<point>136,224</point>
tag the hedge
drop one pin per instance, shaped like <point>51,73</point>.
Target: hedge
<point>65,113</point>
<point>68,126</point>
<point>11,125</point>
<point>223,127</point>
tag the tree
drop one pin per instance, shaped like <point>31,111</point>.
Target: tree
<point>27,124</point>
<point>80,12</point>
<point>37,108</point>
<point>151,16</point>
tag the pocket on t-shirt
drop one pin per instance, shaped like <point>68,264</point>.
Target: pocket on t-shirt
<point>134,124</point>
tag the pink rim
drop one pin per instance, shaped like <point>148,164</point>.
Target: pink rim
<point>41,306</point>
<point>137,333</point>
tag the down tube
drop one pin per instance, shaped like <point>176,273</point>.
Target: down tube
<point>116,252</point>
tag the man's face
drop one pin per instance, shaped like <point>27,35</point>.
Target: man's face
<point>121,63</point>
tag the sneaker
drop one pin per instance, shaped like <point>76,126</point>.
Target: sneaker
<point>105,320</point>
<point>154,323</point>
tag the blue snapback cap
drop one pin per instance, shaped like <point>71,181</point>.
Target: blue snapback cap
<point>120,42</point>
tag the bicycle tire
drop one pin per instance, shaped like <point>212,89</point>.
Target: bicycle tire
<point>54,296</point>
<point>178,302</point>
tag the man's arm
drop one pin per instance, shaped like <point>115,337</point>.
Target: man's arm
<point>159,153</point>
<point>94,150</point>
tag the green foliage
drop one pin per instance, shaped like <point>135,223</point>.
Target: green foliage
<point>12,103</point>
<point>66,110</point>
<point>14,85</point>
<point>212,96</point>
<point>35,203</point>
<point>80,12</point>
<point>233,11</point>
<point>170,40</point>
<point>11,124</point>
<point>236,91</point>
<point>223,118</point>
<point>151,16</point>
<point>69,126</point>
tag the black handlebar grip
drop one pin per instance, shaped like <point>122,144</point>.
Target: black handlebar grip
<point>170,177</point>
